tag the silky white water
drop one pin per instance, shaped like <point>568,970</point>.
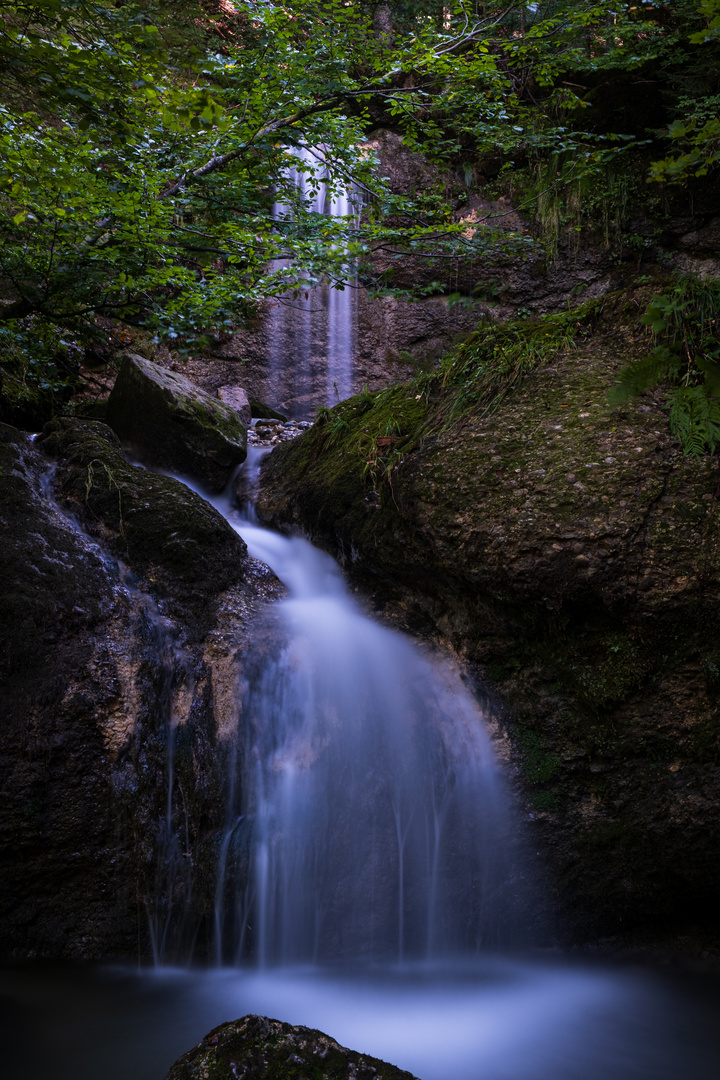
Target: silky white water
<point>366,817</point>
<point>348,725</point>
<point>497,1019</point>
<point>313,333</point>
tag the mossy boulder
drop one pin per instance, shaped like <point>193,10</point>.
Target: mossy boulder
<point>155,524</point>
<point>570,552</point>
<point>257,1048</point>
<point>169,423</point>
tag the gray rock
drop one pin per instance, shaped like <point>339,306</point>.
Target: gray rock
<point>237,399</point>
<point>170,424</point>
<point>257,1048</point>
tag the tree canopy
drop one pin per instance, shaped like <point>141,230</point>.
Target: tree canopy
<point>144,145</point>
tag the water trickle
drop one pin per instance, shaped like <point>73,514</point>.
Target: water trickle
<point>365,815</point>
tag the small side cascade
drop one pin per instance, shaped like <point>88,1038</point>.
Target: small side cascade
<point>313,334</point>
<point>168,902</point>
<point>365,817</point>
<point>165,884</point>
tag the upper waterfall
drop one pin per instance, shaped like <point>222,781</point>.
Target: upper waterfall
<point>313,334</point>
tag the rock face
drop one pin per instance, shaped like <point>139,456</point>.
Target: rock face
<point>237,399</point>
<point>56,608</point>
<point>125,614</point>
<point>256,1048</point>
<point>169,423</point>
<point>155,523</point>
<point>570,552</point>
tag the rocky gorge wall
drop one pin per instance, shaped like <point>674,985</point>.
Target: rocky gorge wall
<point>563,254</point>
<point>568,551</point>
<point>126,609</point>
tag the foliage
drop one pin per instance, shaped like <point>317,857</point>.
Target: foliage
<point>485,368</point>
<point>143,146</point>
<point>696,130</point>
<point>685,325</point>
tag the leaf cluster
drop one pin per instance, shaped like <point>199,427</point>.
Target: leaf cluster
<point>685,325</point>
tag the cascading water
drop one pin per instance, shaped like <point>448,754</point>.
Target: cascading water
<point>364,818</point>
<point>365,813</point>
<point>313,334</point>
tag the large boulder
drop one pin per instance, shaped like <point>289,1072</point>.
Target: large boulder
<point>66,886</point>
<point>167,422</point>
<point>237,399</point>
<point>125,615</point>
<point>257,1048</point>
<point>154,523</point>
<point>568,549</point>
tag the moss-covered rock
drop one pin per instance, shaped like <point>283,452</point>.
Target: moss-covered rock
<point>169,423</point>
<point>125,614</point>
<point>569,550</point>
<point>155,524</point>
<point>258,1048</point>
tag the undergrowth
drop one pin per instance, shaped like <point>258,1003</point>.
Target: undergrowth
<point>482,371</point>
<point>684,322</point>
<point>383,426</point>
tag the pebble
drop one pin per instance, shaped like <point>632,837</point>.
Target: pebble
<point>272,432</point>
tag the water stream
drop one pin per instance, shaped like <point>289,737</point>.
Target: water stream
<point>366,816</point>
<point>366,887</point>
<point>312,334</point>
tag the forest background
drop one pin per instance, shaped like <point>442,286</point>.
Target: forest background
<point>144,146</point>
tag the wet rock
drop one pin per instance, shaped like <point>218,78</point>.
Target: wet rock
<point>261,411</point>
<point>237,399</point>
<point>569,550</point>
<point>154,523</point>
<point>257,1048</point>
<point>166,421</point>
<point>121,651</point>
<point>65,883</point>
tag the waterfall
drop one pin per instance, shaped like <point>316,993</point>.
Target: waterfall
<point>365,812</point>
<point>313,334</point>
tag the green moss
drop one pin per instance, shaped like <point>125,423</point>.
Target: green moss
<point>545,802</point>
<point>493,360</point>
<point>153,522</point>
<point>539,765</point>
<point>607,669</point>
<point>277,1051</point>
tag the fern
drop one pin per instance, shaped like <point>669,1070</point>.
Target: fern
<point>694,419</point>
<point>686,326</point>
<point>646,373</point>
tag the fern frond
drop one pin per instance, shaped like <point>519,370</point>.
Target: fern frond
<point>645,373</point>
<point>694,419</point>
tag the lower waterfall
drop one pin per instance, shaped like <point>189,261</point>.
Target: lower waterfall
<point>367,828</point>
<point>366,816</point>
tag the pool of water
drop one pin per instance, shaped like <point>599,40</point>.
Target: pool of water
<point>504,1018</point>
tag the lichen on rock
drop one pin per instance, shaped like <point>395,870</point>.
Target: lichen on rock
<point>258,1048</point>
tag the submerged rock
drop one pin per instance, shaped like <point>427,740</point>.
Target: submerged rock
<point>569,550</point>
<point>169,423</point>
<point>257,1048</point>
